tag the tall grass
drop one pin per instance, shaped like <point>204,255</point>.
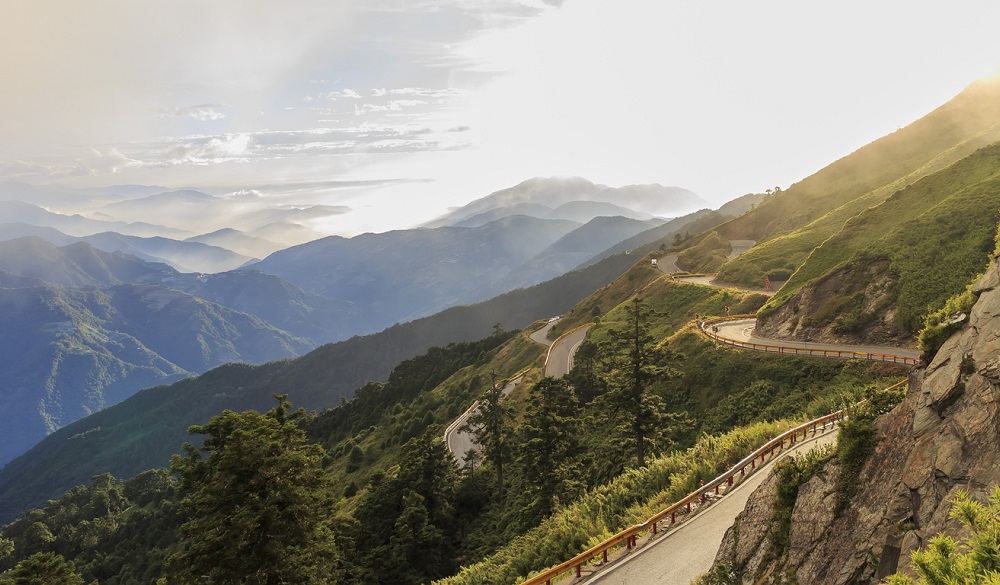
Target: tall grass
<point>606,510</point>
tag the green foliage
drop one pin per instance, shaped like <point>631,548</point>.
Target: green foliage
<point>408,517</point>
<point>707,255</point>
<point>42,569</point>
<point>604,510</point>
<point>549,449</point>
<point>941,324</point>
<point>942,563</point>
<point>858,438</point>
<point>256,502</point>
<point>492,425</point>
<point>631,361</point>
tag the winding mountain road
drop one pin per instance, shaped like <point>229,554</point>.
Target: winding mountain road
<point>558,362</point>
<point>682,554</point>
<point>743,331</point>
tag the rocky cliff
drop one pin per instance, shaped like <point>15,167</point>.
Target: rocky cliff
<point>943,437</point>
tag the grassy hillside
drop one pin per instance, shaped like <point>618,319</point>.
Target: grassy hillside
<point>791,223</point>
<point>928,240</point>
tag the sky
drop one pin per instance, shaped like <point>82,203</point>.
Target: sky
<point>402,109</point>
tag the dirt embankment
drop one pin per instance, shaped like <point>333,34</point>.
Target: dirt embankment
<point>852,306</point>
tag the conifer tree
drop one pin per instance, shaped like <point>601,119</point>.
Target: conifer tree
<point>257,502</point>
<point>549,446</point>
<point>631,363</point>
<point>491,425</point>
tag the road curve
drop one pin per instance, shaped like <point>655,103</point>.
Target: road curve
<point>560,359</point>
<point>682,554</point>
<point>459,441</point>
<point>743,331</point>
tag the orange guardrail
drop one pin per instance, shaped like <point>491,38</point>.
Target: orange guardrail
<point>745,467</point>
<point>815,352</point>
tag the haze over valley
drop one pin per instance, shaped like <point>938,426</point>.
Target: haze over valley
<point>500,292</point>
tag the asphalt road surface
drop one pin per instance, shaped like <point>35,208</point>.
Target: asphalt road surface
<point>560,360</point>
<point>682,554</point>
<point>459,442</point>
<point>743,330</point>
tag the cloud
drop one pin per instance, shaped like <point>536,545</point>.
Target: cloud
<point>245,195</point>
<point>379,92</point>
<point>202,112</point>
<point>459,129</point>
<point>346,93</point>
<point>216,149</point>
<point>109,161</point>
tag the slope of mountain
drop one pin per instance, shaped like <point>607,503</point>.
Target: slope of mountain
<point>203,212</point>
<point>889,265</point>
<point>942,439</point>
<point>792,222</point>
<point>567,252</point>
<point>77,225</point>
<point>68,353</point>
<point>404,274</point>
<point>239,242</point>
<point>285,233</point>
<point>76,265</point>
<point>278,302</point>
<point>655,200</point>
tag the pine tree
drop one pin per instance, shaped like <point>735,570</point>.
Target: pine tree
<point>631,363</point>
<point>258,504</point>
<point>42,569</point>
<point>549,447</point>
<point>491,425</point>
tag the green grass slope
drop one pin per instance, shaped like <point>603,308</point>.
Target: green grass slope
<point>928,240</point>
<point>792,222</point>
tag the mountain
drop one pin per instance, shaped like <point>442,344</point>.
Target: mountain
<point>76,265</point>
<point>530,209</point>
<point>142,431</point>
<point>285,233</point>
<point>239,242</point>
<point>585,211</point>
<point>184,256</point>
<point>71,352</point>
<point>567,253</point>
<point>399,275</point>
<point>655,200</point>
<point>942,439</point>
<point>205,213</point>
<point>77,225</point>
<point>790,223</point>
<point>314,317</point>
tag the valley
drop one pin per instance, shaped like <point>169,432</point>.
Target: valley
<point>558,379</point>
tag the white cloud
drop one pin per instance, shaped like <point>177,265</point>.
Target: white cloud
<point>379,92</point>
<point>346,93</point>
<point>215,149</point>
<point>202,113</point>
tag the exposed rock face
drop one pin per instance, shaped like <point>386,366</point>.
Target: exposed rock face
<point>850,306</point>
<point>943,437</point>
